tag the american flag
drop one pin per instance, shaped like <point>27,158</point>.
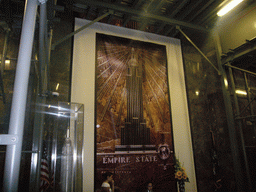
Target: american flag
<point>45,173</point>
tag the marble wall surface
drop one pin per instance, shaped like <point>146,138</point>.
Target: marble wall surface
<point>213,160</point>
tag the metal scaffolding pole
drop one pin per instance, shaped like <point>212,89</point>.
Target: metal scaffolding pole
<point>42,87</point>
<point>178,28</point>
<point>243,70</point>
<point>17,118</point>
<point>240,130</point>
<point>230,119</point>
<point>82,28</point>
<point>42,48</point>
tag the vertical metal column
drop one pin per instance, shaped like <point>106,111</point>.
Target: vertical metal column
<point>16,127</point>
<point>48,54</point>
<point>230,119</point>
<point>240,129</point>
<point>42,85</point>
<point>40,101</point>
<point>42,46</point>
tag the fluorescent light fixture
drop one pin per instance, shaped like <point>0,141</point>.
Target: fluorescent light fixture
<point>7,61</point>
<point>241,92</point>
<point>57,86</point>
<point>228,7</point>
<point>226,82</point>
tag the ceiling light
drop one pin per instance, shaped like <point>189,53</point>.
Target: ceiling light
<point>228,7</point>
<point>241,92</point>
<point>57,86</point>
<point>7,61</point>
<point>226,82</point>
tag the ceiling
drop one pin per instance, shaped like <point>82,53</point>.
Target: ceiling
<point>154,16</point>
<point>194,17</point>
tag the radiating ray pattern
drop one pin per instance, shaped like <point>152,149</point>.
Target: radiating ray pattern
<point>113,56</point>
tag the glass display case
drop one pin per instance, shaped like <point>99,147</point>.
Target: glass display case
<point>61,163</point>
<point>67,147</point>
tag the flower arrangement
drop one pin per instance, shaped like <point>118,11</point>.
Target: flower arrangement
<point>180,175</point>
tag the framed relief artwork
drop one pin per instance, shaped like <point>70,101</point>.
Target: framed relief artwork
<point>133,125</point>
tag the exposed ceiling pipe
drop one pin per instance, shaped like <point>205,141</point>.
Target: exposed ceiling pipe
<point>190,19</point>
<point>201,10</point>
<point>178,8</point>
<point>143,14</point>
<point>186,14</point>
<point>212,14</point>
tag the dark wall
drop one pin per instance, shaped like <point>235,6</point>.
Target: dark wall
<point>212,155</point>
